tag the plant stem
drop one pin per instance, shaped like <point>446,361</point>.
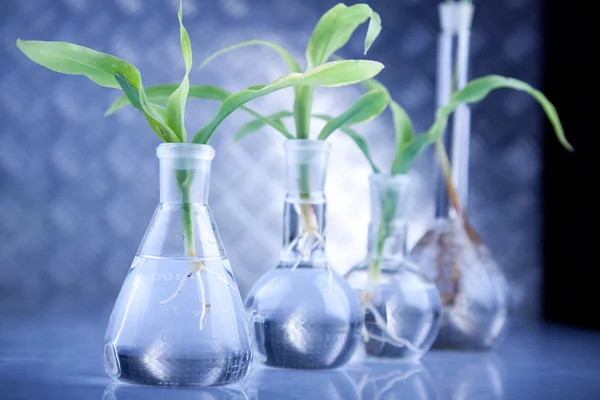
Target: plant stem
<point>188,222</point>
<point>184,180</point>
<point>375,265</point>
<point>452,192</point>
<point>309,220</point>
<point>303,111</point>
<point>388,213</point>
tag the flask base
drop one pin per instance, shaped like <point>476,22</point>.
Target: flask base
<point>147,369</point>
<point>326,346</point>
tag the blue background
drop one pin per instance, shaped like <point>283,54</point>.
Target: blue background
<point>77,190</point>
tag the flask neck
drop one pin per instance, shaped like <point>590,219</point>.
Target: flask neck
<point>452,75</point>
<point>305,204</point>
<point>389,226</point>
<point>184,172</point>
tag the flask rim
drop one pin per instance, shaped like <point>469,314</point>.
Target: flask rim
<point>311,145</point>
<point>185,150</point>
<point>390,180</point>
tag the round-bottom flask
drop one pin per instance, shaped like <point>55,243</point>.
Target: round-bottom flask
<point>302,314</point>
<point>401,306</point>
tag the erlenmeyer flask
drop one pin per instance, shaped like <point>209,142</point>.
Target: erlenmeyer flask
<point>302,314</point>
<point>402,307</point>
<point>179,318</point>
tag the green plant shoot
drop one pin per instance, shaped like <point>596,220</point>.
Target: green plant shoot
<point>410,146</point>
<point>163,106</point>
<point>333,30</point>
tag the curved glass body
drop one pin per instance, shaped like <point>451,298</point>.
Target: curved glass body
<point>303,314</point>
<point>179,317</point>
<point>474,291</point>
<point>401,305</point>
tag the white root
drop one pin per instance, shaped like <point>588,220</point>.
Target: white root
<point>296,264</point>
<point>197,268</point>
<point>193,268</point>
<point>219,277</point>
<point>321,241</point>
<point>290,247</point>
<point>179,288</point>
<point>202,297</point>
<point>392,338</point>
<point>300,239</point>
<point>306,244</point>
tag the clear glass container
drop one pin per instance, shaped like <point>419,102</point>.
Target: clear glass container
<point>402,307</point>
<point>475,294</point>
<point>179,318</point>
<point>302,314</point>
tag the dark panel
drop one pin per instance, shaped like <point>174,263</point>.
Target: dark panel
<point>571,214</point>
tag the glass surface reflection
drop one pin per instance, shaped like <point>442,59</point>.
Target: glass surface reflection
<point>121,391</point>
<point>392,380</point>
<point>467,376</point>
<point>265,383</point>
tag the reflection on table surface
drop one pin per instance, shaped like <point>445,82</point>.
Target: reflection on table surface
<point>61,359</point>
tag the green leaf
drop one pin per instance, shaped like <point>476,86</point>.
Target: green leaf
<point>335,28</point>
<point>134,97</point>
<point>402,125</point>
<point>369,84</point>
<point>333,74</point>
<point>408,148</point>
<point>303,94</point>
<point>478,89</point>
<point>289,60</point>
<point>177,100</point>
<point>160,94</point>
<point>372,84</point>
<point>367,107</point>
<point>358,140</point>
<point>258,124</point>
<point>255,125</point>
<point>71,59</point>
<point>405,159</point>
<point>373,31</point>
<point>101,68</point>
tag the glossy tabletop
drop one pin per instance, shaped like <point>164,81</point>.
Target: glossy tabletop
<point>59,357</point>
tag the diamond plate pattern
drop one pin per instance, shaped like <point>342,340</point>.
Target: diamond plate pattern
<point>77,190</point>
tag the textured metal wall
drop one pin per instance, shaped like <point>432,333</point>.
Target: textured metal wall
<point>77,189</point>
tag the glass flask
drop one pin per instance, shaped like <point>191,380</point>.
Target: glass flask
<point>402,307</point>
<point>302,314</point>
<point>475,300</point>
<point>474,291</point>
<point>179,317</point>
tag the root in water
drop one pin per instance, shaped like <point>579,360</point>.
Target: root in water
<point>179,288</point>
<point>202,297</point>
<point>389,337</point>
<point>196,268</point>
